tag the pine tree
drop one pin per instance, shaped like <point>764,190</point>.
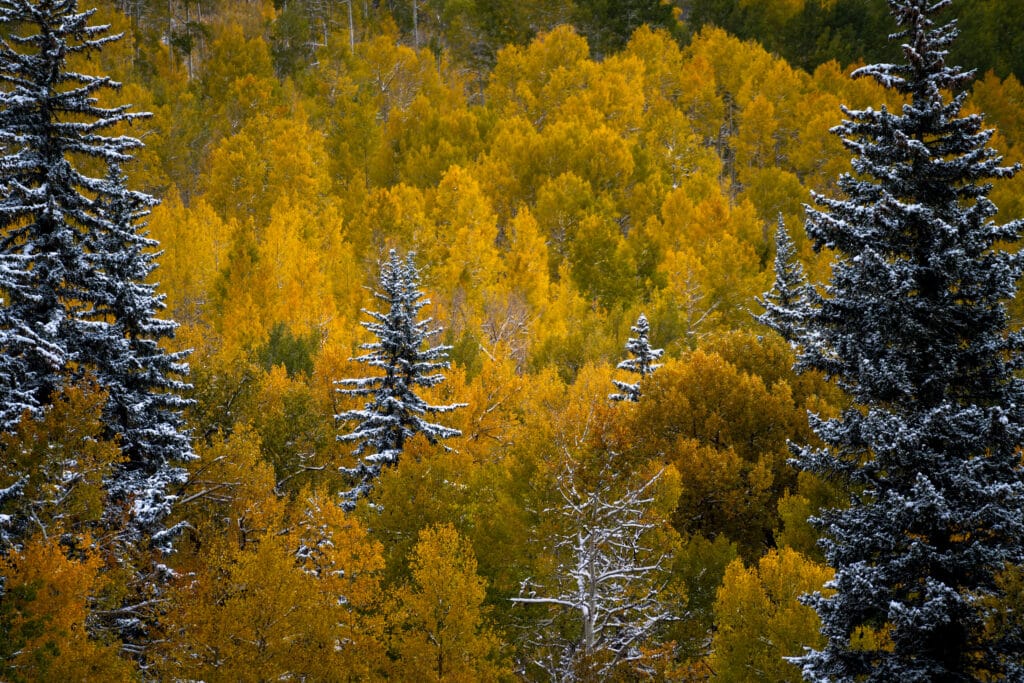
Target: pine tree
<point>47,116</point>
<point>790,296</point>
<point>72,266</point>
<point>142,378</point>
<point>913,326</point>
<point>394,412</point>
<point>642,362</point>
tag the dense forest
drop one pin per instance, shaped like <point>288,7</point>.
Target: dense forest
<point>476,341</point>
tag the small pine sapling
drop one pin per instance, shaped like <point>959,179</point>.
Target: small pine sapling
<point>642,363</point>
<point>786,304</point>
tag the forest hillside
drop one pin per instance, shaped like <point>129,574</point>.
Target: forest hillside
<point>450,340</point>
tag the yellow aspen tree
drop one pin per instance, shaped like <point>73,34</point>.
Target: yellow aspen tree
<point>236,311</point>
<point>703,397</point>
<point>684,305</point>
<point>272,588</point>
<point>195,243</point>
<point>238,80</point>
<point>662,63</point>
<point>757,144</point>
<point>759,620</point>
<point>292,271</point>
<point>436,136</point>
<point>532,81</point>
<point>54,469</point>
<point>438,623</point>
<point>460,246</point>
<point>675,147</point>
<point>526,259</point>
<point>391,217</point>
<point>258,165</point>
<point>774,191</point>
<point>610,96</point>
<point>561,204</point>
<point>734,276</point>
<point>43,611</point>
<point>815,155</point>
<point>732,62</point>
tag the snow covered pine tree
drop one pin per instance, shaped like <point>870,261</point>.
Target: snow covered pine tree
<point>913,326</point>
<point>642,362</point>
<point>72,264</point>
<point>785,305</point>
<point>141,377</point>
<point>394,412</point>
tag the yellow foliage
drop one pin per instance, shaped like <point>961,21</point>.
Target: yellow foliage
<point>815,155</point>
<point>759,620</point>
<point>69,438</point>
<point>734,275</point>
<point>293,269</point>
<point>461,244</point>
<point>698,212</point>
<point>278,600</point>
<point>260,164</point>
<point>435,139</point>
<point>238,78</point>
<point>43,610</point>
<point>732,62</point>
<point>550,201</point>
<point>231,497</point>
<point>438,632</point>
<point>758,144</point>
<point>195,244</point>
<point>392,218</point>
<point>608,96</point>
<point>704,397</point>
<point>532,81</point>
<point>488,421</point>
<point>526,259</point>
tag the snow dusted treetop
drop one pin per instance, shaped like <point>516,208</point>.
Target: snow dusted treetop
<point>642,362</point>
<point>394,412</point>
<point>48,118</point>
<point>913,326</point>
<point>786,304</point>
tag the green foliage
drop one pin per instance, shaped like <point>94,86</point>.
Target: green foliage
<point>809,32</point>
<point>701,565</point>
<point>295,353</point>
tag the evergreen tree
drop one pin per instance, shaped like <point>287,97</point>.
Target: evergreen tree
<point>913,326</point>
<point>72,266</point>
<point>642,362</point>
<point>786,303</point>
<point>44,204</point>
<point>141,377</point>
<point>394,412</point>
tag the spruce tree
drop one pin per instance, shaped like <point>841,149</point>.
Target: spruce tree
<point>48,118</point>
<point>394,412</point>
<point>142,378</point>
<point>913,325</point>
<point>72,265</point>
<point>786,303</point>
<point>642,362</point>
